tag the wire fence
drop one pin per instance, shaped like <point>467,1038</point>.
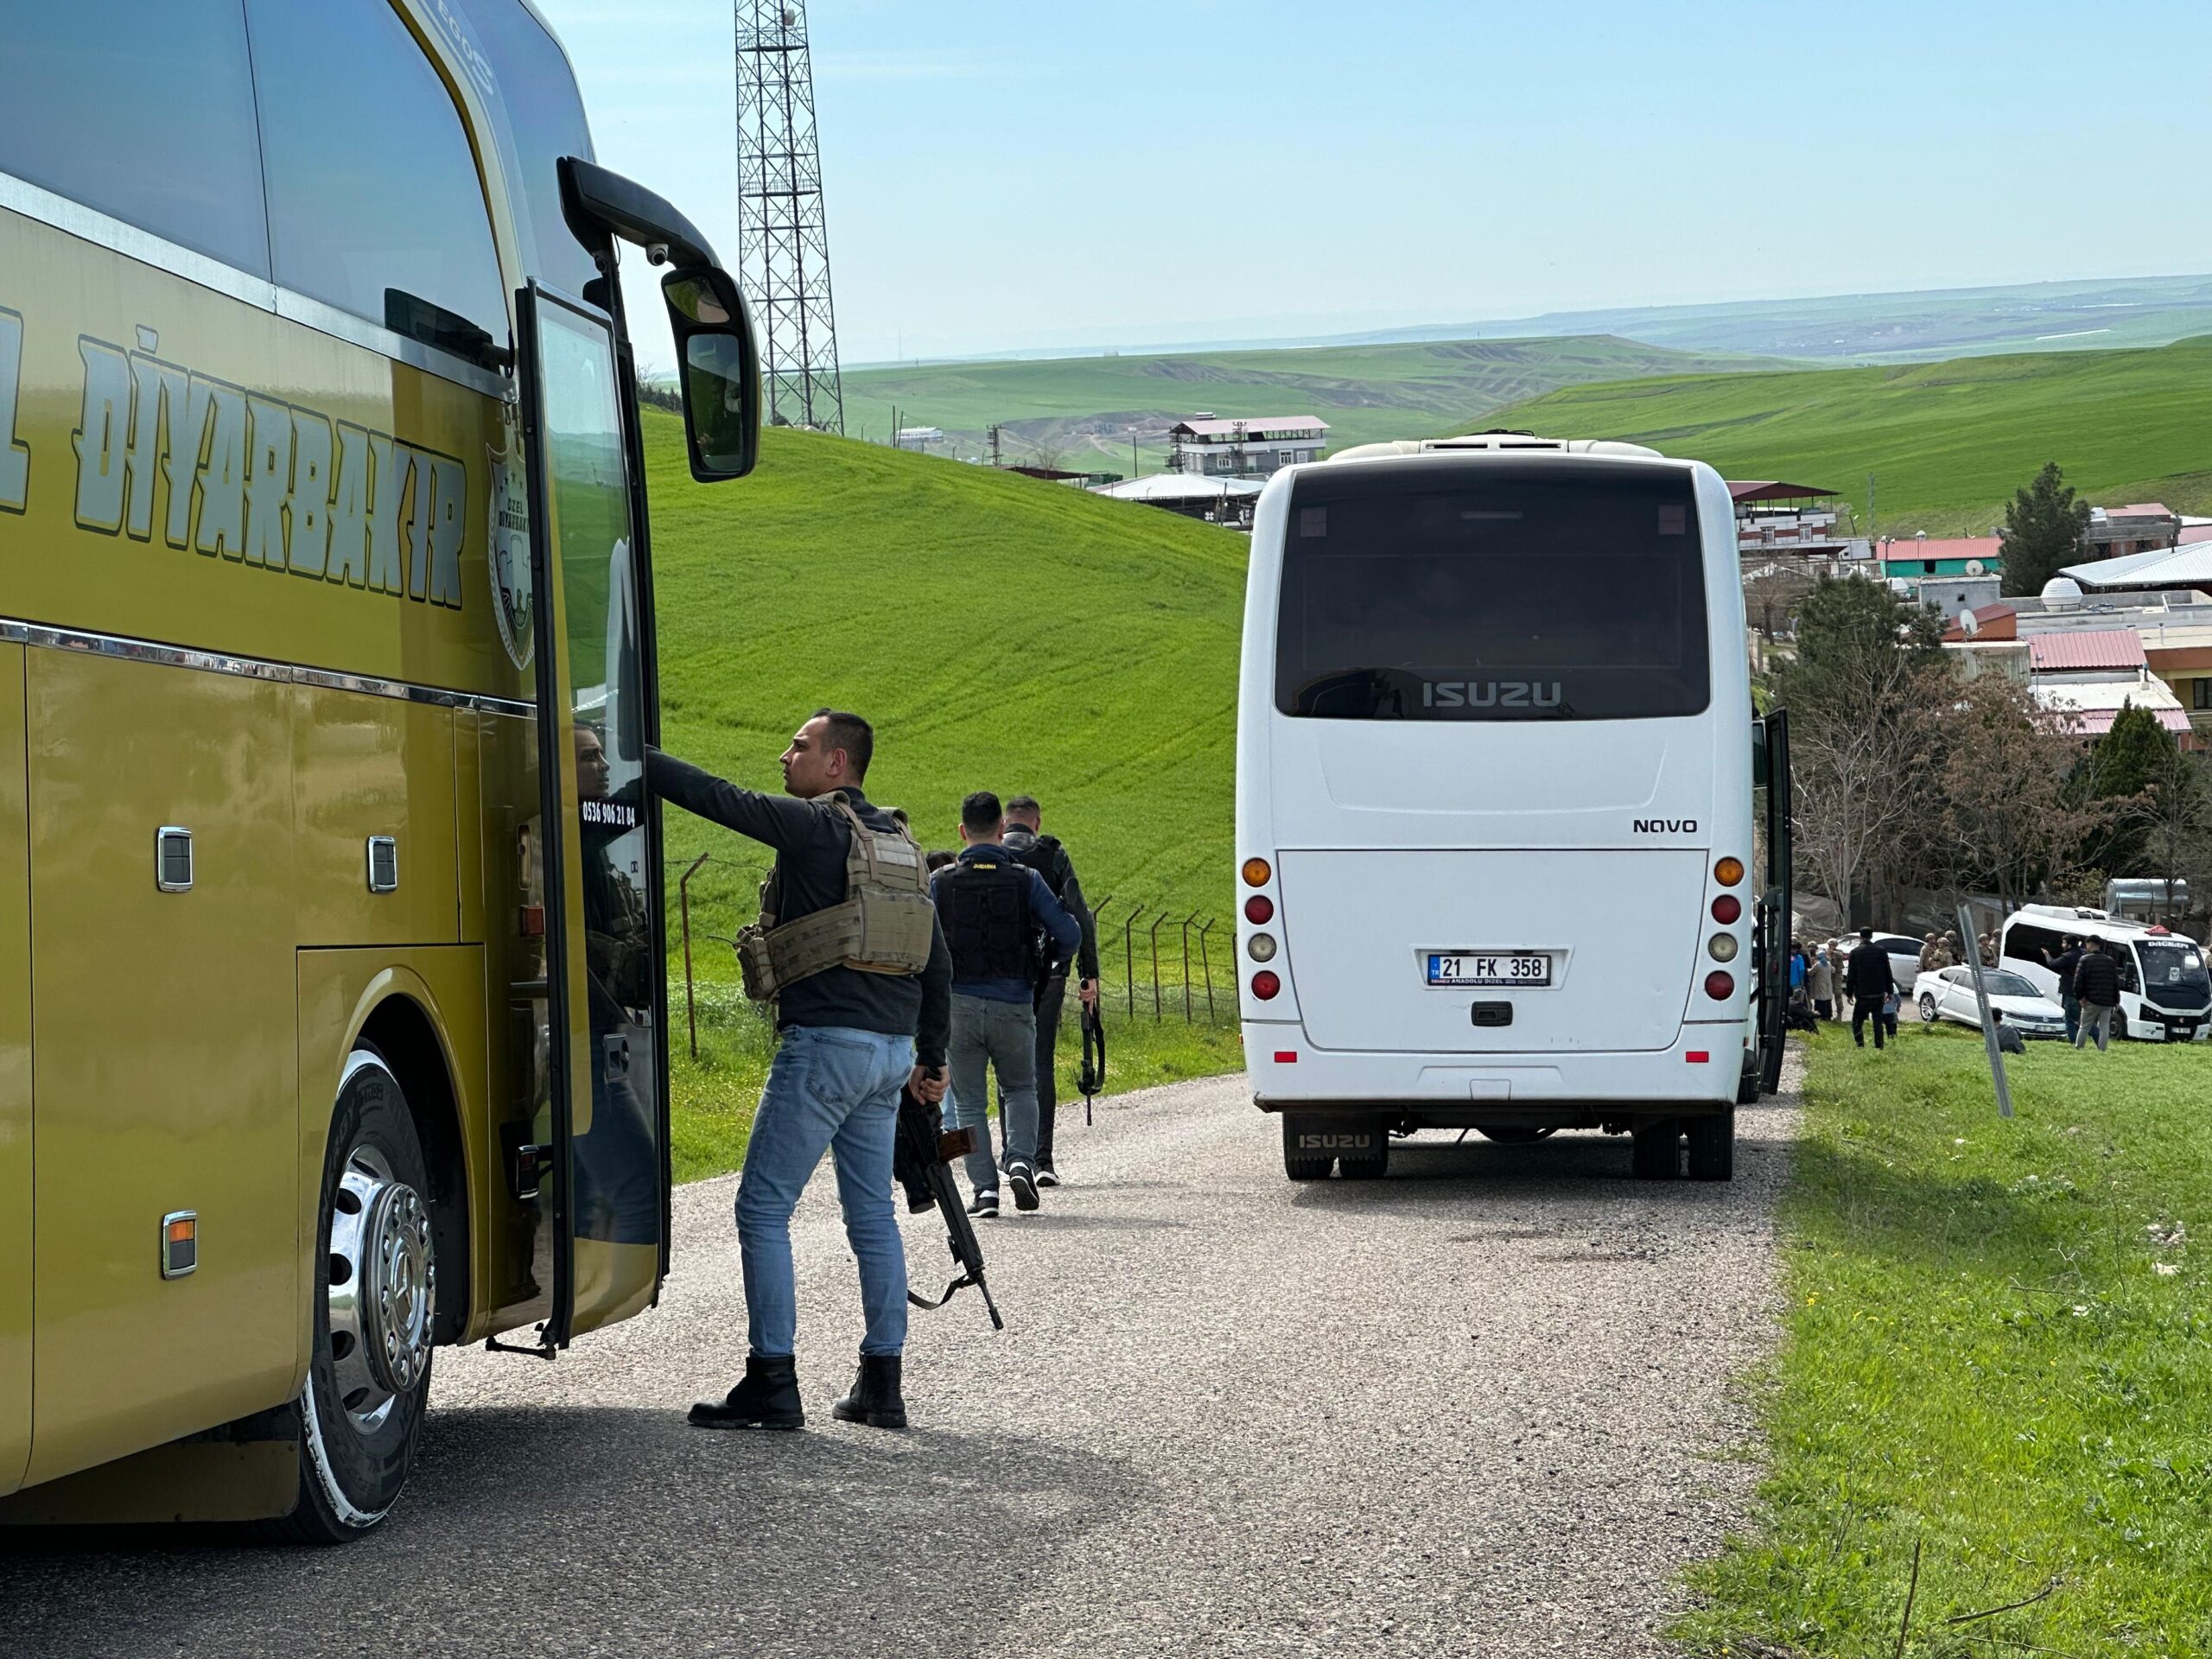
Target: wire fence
<point>1156,961</point>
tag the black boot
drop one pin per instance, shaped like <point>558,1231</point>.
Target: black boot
<point>875,1399</point>
<point>767,1398</point>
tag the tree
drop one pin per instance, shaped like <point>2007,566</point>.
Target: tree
<point>2042,532</point>
<point>2008,816</point>
<point>2118,775</point>
<point>2172,819</point>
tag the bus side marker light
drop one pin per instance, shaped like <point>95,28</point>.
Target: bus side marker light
<point>1256,872</point>
<point>1698,1056</point>
<point>1265,986</point>
<point>179,1243</point>
<point>531,922</point>
<point>1285,1057</point>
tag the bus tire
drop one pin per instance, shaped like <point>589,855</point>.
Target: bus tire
<point>1365,1169</point>
<point>1713,1147</point>
<point>375,1303</point>
<point>1655,1154</point>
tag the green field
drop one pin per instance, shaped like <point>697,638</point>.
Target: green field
<point>1998,1353</point>
<point>1001,634</point>
<point>1086,407</point>
<point>1947,442</point>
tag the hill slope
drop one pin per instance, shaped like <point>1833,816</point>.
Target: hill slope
<point>1000,633</point>
<point>1088,407</point>
<point>1947,442</point>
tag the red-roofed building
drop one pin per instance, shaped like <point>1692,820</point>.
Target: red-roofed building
<point>1909,559</point>
<point>1987,623</point>
<point>1774,516</point>
<point>2139,527</point>
<point>2099,650</point>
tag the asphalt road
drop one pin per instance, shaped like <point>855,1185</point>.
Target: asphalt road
<point>1484,1406</point>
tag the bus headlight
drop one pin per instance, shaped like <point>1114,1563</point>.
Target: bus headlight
<point>1261,947</point>
<point>1721,947</point>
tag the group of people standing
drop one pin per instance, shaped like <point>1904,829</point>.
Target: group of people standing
<point>2089,988</point>
<point>891,972</point>
<point>1857,984</point>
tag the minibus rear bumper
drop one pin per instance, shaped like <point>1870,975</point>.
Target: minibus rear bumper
<point>1702,1069</point>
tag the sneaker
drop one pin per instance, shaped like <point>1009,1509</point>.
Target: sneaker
<point>1025,1186</point>
<point>1046,1174</point>
<point>985,1205</point>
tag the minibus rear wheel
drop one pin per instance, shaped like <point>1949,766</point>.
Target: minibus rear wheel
<point>375,1307</point>
<point>1656,1151</point>
<point>1713,1147</point>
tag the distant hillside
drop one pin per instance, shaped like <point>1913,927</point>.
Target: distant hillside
<point>1947,442</point>
<point>1085,410</point>
<point>1002,633</point>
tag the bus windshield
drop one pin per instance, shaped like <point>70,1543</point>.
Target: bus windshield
<point>1547,588</point>
<point>2174,968</point>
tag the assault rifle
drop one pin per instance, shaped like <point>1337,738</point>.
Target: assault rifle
<point>923,1163</point>
<point>1092,1077</point>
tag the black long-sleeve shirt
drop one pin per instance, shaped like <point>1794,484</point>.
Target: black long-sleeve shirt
<point>1019,840</point>
<point>812,842</point>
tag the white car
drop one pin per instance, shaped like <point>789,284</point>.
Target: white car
<point>1947,993</point>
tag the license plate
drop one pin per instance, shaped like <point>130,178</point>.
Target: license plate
<point>1500,968</point>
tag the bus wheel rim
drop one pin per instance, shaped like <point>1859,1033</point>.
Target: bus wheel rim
<point>382,1285</point>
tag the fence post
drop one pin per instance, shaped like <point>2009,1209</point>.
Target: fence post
<point>1205,966</point>
<point>683,905</point>
<point>1155,963</point>
<point>1187,921</point>
<point>1130,958</point>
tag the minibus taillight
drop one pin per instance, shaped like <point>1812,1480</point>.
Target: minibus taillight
<point>1720,986</point>
<point>1265,986</point>
<point>1259,909</point>
<point>1727,908</point>
<point>1728,872</point>
<point>1256,872</point>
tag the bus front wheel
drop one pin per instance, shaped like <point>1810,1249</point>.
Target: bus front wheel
<point>375,1307</point>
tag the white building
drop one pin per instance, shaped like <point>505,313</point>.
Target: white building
<point>1207,446</point>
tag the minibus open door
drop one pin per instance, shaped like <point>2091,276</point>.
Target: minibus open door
<point>1771,940</point>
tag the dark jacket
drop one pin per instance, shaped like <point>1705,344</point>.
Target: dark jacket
<point>1058,871</point>
<point>812,842</point>
<point>1044,910</point>
<point>2063,965</point>
<point>1867,972</point>
<point>2096,980</point>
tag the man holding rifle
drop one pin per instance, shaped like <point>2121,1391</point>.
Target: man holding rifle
<point>848,950</point>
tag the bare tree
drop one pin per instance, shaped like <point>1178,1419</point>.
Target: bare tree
<point>2005,812</point>
<point>2174,816</point>
<point>1860,771</point>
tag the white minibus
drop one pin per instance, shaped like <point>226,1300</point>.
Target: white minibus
<point>2166,994</point>
<point>1506,822</point>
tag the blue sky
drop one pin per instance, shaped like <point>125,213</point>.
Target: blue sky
<point>1010,176</point>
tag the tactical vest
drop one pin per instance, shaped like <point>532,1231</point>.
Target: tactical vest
<point>883,925</point>
<point>984,908</point>
<point>1042,854</point>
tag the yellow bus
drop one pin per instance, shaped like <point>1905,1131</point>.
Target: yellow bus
<point>332,986</point>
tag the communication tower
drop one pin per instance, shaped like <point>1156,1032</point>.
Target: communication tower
<point>783,240</point>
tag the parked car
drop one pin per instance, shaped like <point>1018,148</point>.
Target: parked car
<point>1904,957</point>
<point>1947,993</point>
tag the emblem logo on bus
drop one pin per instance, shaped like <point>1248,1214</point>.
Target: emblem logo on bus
<point>510,560</point>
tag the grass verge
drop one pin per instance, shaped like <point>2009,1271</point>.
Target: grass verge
<point>711,1099</point>
<point>1997,1363</point>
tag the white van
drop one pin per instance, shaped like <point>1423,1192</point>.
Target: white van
<point>2166,992</point>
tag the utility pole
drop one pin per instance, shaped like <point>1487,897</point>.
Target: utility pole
<point>782,238</point>
<point>1873,530</point>
<point>994,444</point>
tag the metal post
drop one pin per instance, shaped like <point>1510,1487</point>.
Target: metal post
<point>1988,1025</point>
<point>1129,958</point>
<point>1155,963</point>
<point>1205,966</point>
<point>684,906</point>
<point>1188,922</point>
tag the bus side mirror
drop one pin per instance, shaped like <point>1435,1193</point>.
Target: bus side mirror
<point>720,363</point>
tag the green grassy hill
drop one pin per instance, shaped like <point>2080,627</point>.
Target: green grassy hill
<point>1001,634</point>
<point>1087,409</point>
<point>1947,442</point>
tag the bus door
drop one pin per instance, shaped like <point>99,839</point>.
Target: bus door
<point>1771,780</point>
<point>602,1121</point>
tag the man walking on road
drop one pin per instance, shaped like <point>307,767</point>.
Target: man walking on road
<point>1045,856</point>
<point>989,905</point>
<point>1868,977</point>
<point>849,951</point>
<point>2096,983</point>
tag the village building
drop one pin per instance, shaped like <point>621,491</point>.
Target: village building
<point>1259,448</point>
<point>2087,676</point>
<point>2141,527</point>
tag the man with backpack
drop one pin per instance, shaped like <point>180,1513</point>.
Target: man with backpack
<point>1045,856</point>
<point>991,907</point>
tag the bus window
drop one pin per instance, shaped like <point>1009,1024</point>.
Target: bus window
<point>141,109</point>
<point>546,119</point>
<point>1547,590</point>
<point>374,202</point>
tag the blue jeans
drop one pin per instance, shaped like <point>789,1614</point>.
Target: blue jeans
<point>1001,1037</point>
<point>2072,1004</point>
<point>836,1090</point>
